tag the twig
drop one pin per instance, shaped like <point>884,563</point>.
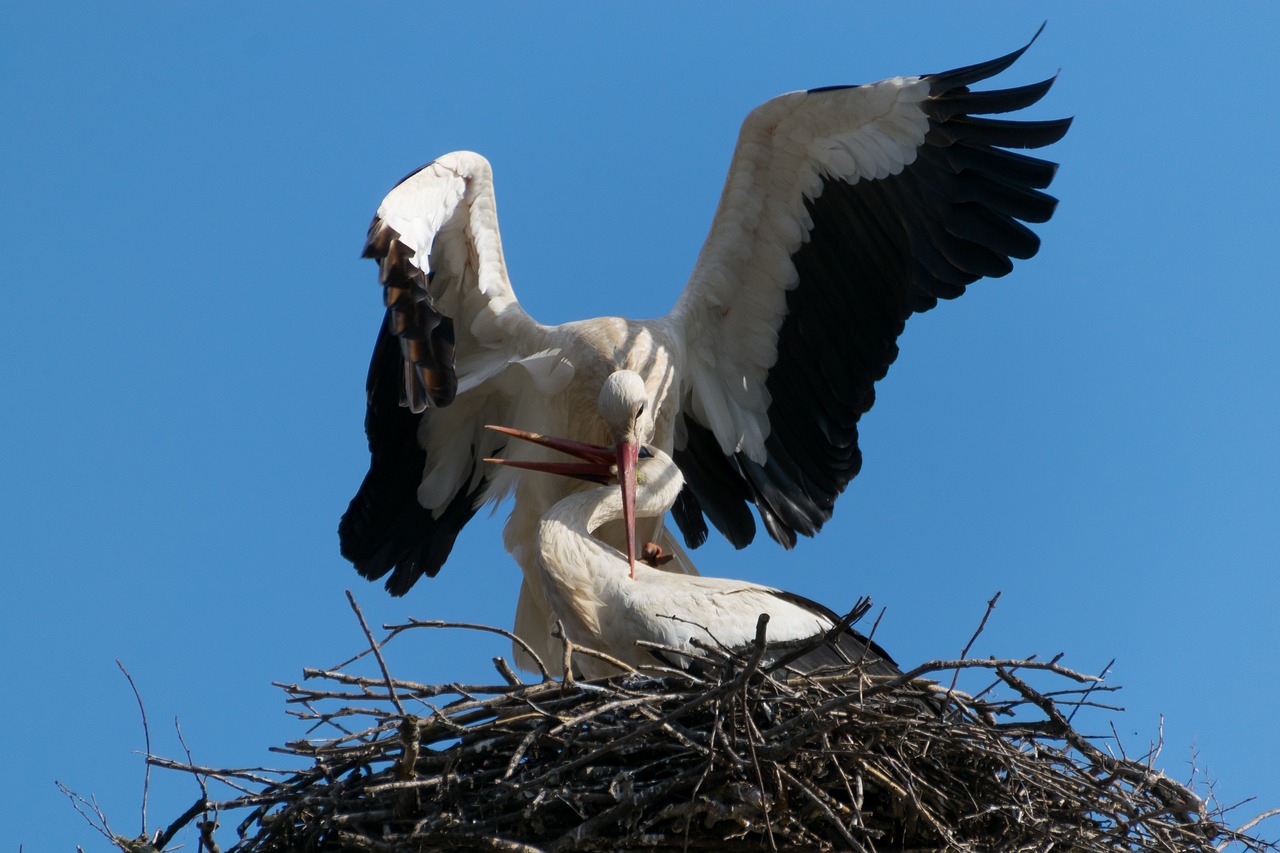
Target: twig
<point>373,645</point>
<point>1090,689</point>
<point>757,652</point>
<point>964,653</point>
<point>508,675</point>
<point>78,801</point>
<point>207,828</point>
<point>566,654</point>
<point>839,760</point>
<point>1245,827</point>
<point>146,740</point>
<point>197,808</point>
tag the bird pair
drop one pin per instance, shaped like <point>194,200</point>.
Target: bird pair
<point>845,211</point>
<point>625,607</point>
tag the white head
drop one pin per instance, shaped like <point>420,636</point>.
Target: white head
<point>624,406</point>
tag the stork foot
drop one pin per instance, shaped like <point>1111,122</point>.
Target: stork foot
<point>654,556</point>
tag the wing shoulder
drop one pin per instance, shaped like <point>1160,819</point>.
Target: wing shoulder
<point>449,301</point>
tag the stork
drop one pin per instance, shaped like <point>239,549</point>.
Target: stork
<point>607,602</point>
<point>845,210</point>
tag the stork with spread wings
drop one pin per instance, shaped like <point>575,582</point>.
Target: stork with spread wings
<point>845,211</point>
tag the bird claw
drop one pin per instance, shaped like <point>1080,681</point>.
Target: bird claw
<point>652,555</point>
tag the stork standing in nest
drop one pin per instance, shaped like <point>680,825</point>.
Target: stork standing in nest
<point>609,603</point>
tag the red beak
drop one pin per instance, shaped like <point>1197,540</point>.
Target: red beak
<point>628,453</point>
<point>600,465</point>
<point>596,467</point>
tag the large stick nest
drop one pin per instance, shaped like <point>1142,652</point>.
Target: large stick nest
<point>728,753</point>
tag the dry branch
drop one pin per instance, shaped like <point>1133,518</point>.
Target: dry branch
<point>729,753</point>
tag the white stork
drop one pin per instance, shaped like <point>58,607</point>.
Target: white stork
<point>845,210</point>
<point>610,606</point>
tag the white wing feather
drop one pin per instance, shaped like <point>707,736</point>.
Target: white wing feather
<point>446,214</point>
<point>735,301</point>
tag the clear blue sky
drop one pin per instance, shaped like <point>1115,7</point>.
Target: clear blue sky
<point>185,325</point>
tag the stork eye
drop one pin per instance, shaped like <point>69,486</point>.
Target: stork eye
<point>640,410</point>
<point>645,453</point>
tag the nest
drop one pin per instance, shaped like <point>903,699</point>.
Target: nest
<point>729,752</point>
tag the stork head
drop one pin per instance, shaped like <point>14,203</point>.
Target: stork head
<point>624,406</point>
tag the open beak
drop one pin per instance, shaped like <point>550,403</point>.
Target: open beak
<point>599,464</point>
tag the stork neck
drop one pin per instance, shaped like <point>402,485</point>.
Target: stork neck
<point>569,552</point>
<point>566,540</point>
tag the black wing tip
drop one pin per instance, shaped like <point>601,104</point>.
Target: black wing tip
<point>687,512</point>
<point>847,647</point>
<point>360,545</point>
<point>966,75</point>
<point>404,574</point>
<point>377,239</point>
<point>404,577</point>
<point>390,531</point>
<point>970,74</point>
<point>715,487</point>
<point>414,548</point>
<point>384,528</point>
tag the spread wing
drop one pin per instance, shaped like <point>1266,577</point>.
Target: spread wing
<point>845,211</point>
<point>452,330</point>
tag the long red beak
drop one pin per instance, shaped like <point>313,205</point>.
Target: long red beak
<point>596,467</point>
<point>600,465</point>
<point>628,453</point>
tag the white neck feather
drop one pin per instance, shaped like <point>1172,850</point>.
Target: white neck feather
<point>576,558</point>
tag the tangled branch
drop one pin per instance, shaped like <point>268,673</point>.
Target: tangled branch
<point>725,752</point>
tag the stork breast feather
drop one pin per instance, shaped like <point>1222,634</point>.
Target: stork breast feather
<point>550,371</point>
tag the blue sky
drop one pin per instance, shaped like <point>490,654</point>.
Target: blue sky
<point>185,326</point>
